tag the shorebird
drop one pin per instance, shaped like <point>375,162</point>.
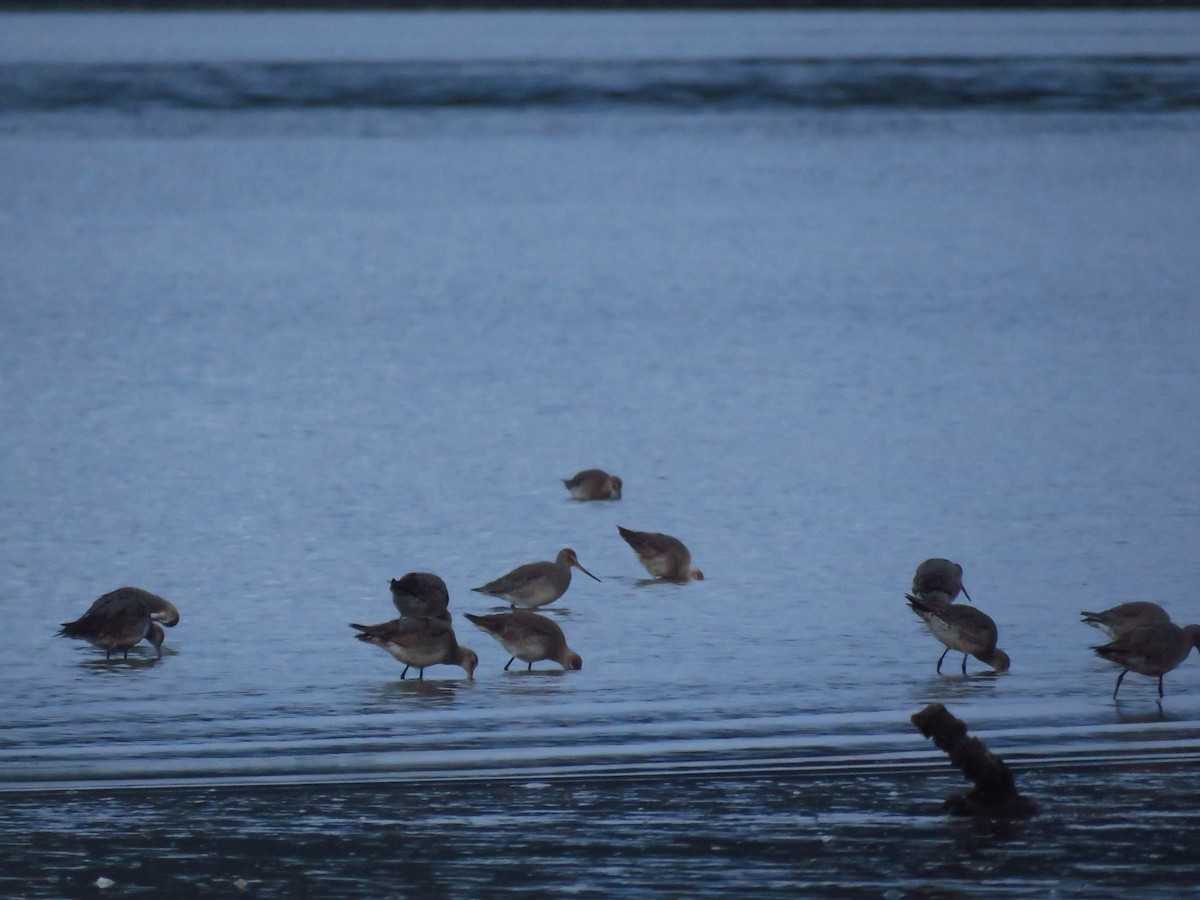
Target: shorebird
<point>662,555</point>
<point>419,643</point>
<point>1125,617</point>
<point>538,583</point>
<point>962,628</point>
<point>421,594</point>
<point>1153,650</point>
<point>121,618</point>
<point>594,484</point>
<point>939,576</point>
<point>529,637</point>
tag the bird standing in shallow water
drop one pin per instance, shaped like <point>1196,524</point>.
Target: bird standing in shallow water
<point>421,594</point>
<point>663,556</point>
<point>420,643</point>
<point>939,579</point>
<point>1125,617</point>
<point>594,484</point>
<point>1153,650</point>
<point>962,628</point>
<point>118,620</point>
<point>538,583</point>
<point>529,637</point>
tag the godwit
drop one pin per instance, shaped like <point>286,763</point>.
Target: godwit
<point>536,584</point>
<point>529,638</point>
<point>594,484</point>
<point>962,628</point>
<point>1116,621</point>
<point>119,619</point>
<point>419,642</point>
<point>939,576</point>
<point>421,594</point>
<point>1153,650</point>
<point>662,555</point>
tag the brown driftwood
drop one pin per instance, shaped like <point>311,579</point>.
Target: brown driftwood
<point>995,791</point>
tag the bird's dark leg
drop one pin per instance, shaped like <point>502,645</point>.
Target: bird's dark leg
<point>509,663</point>
<point>940,658</point>
<point>126,653</point>
<point>422,671</point>
<point>1160,687</point>
<point>964,664</point>
<point>108,654</point>
<point>529,668</point>
<point>1119,678</point>
<point>405,672</point>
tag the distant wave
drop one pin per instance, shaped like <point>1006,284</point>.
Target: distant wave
<point>1088,83</point>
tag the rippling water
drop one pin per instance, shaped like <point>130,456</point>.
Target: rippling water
<point>261,355</point>
<point>1112,83</point>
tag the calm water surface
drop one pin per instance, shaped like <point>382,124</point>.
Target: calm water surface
<point>260,356</point>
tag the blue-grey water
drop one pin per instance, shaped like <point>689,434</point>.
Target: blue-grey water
<point>293,304</point>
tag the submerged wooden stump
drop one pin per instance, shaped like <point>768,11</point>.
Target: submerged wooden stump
<point>995,791</point>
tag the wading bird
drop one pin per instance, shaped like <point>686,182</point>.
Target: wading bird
<point>1152,650</point>
<point>419,643</point>
<point>594,484</point>
<point>663,556</point>
<point>538,583</point>
<point>962,628</point>
<point>939,579</point>
<point>120,619</point>
<point>1125,617</point>
<point>421,594</point>
<point>529,637</point>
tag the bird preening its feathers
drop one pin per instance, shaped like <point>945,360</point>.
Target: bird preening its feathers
<point>120,619</point>
<point>939,578</point>
<point>421,594</point>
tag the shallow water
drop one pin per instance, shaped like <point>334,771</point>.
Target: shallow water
<point>262,360</point>
<point>856,834</point>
